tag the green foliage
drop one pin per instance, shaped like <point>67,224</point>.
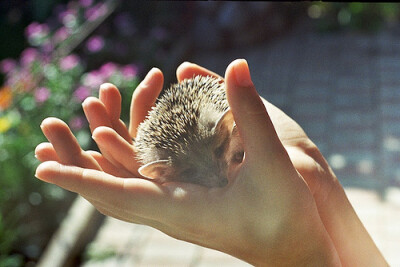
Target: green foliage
<point>354,16</point>
<point>45,81</point>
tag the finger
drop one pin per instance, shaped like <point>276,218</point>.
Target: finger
<point>111,98</point>
<point>65,144</point>
<point>116,149</point>
<point>129,216</point>
<point>141,197</point>
<point>108,167</point>
<point>144,97</point>
<point>187,70</point>
<point>120,214</point>
<point>256,130</point>
<point>45,152</point>
<point>120,127</point>
<point>96,113</point>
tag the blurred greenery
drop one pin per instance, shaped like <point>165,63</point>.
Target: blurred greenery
<point>367,17</point>
<point>56,53</point>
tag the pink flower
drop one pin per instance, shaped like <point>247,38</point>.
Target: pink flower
<point>86,3</point>
<point>108,69</point>
<point>77,123</point>
<point>47,47</point>
<point>7,65</point>
<point>95,44</point>
<point>28,56</point>
<point>81,93</point>
<point>42,94</point>
<point>69,62</point>
<point>93,79</point>
<point>36,30</point>
<point>96,12</point>
<point>61,34</point>
<point>129,71</point>
<point>67,17</point>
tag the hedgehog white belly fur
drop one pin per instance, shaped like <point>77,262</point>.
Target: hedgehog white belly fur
<point>187,136</point>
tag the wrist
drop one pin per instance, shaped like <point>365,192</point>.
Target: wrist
<point>306,244</point>
<point>353,243</point>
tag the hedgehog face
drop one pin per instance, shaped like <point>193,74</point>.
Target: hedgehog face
<point>208,161</point>
<point>211,163</point>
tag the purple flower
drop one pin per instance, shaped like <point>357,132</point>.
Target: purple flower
<point>86,3</point>
<point>69,62</point>
<point>28,56</point>
<point>7,65</point>
<point>61,34</point>
<point>96,11</point>
<point>108,69</point>
<point>95,44</point>
<point>42,94</point>
<point>93,79</point>
<point>36,30</point>
<point>77,123</point>
<point>130,71</point>
<point>67,17</point>
<point>47,47</point>
<point>81,93</point>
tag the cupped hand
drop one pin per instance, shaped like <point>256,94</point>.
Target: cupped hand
<point>113,138</point>
<point>261,216</point>
<point>304,154</point>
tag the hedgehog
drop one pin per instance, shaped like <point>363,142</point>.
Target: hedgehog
<point>190,135</point>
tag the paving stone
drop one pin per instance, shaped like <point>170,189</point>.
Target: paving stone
<point>215,258</point>
<point>390,94</point>
<point>391,128</point>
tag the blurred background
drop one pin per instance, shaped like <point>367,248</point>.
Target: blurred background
<point>333,67</point>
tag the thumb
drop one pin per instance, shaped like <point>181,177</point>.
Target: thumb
<point>258,135</point>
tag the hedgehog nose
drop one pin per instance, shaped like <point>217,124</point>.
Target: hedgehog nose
<point>216,180</point>
<point>220,179</point>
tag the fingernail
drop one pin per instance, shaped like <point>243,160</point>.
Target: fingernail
<point>186,63</point>
<point>46,130</point>
<point>242,73</point>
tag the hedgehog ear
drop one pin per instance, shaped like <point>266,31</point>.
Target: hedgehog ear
<point>159,169</point>
<point>226,121</point>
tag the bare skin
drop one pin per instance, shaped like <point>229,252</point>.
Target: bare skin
<point>283,194</point>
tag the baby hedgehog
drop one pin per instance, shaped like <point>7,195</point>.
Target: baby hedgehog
<point>190,135</point>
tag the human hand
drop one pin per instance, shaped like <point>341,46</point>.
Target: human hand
<point>112,136</point>
<point>352,241</point>
<point>261,216</point>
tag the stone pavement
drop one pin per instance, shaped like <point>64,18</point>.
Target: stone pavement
<point>344,90</point>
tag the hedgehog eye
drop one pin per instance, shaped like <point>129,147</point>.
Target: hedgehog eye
<point>238,157</point>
